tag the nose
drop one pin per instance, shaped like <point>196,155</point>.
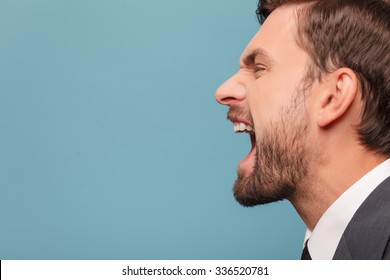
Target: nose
<point>231,92</point>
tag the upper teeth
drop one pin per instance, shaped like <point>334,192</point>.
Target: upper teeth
<point>242,127</point>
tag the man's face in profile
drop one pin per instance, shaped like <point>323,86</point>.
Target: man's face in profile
<point>268,99</point>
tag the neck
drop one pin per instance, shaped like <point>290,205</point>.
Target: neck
<point>329,179</point>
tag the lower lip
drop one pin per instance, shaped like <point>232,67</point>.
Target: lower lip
<point>246,166</point>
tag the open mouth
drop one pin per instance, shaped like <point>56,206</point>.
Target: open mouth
<point>240,127</point>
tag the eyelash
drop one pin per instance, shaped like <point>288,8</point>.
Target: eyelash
<point>258,68</point>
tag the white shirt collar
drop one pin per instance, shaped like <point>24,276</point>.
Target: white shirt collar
<point>329,229</point>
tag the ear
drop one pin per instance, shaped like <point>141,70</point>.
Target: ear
<point>341,87</point>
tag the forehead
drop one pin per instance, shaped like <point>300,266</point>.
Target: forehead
<point>276,37</point>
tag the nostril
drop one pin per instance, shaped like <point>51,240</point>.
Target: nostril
<point>221,96</point>
<point>226,100</point>
<point>229,95</point>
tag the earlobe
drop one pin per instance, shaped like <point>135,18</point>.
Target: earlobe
<point>341,88</point>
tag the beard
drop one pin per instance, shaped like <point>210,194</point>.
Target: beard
<point>281,160</point>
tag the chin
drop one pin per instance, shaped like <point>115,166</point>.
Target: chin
<point>258,188</point>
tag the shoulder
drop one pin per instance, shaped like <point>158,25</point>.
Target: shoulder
<point>368,233</point>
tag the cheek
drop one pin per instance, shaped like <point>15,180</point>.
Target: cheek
<point>274,90</point>
<point>265,99</point>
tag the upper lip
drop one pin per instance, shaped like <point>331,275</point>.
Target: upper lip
<point>240,121</point>
<point>235,121</point>
<point>239,115</point>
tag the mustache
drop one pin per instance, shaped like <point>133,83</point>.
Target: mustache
<point>238,113</point>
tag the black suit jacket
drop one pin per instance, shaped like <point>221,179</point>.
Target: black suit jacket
<point>367,236</point>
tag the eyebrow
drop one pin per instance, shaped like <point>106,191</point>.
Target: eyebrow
<point>259,53</point>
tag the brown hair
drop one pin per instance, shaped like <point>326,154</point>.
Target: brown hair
<point>353,34</point>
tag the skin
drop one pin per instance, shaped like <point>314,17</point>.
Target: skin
<point>266,93</point>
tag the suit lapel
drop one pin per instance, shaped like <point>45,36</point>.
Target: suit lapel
<point>342,251</point>
<point>367,234</point>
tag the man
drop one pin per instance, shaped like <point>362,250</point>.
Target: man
<point>313,93</point>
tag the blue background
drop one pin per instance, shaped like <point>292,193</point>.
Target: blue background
<point>112,145</point>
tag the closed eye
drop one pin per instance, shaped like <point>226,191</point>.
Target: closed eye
<point>258,70</point>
